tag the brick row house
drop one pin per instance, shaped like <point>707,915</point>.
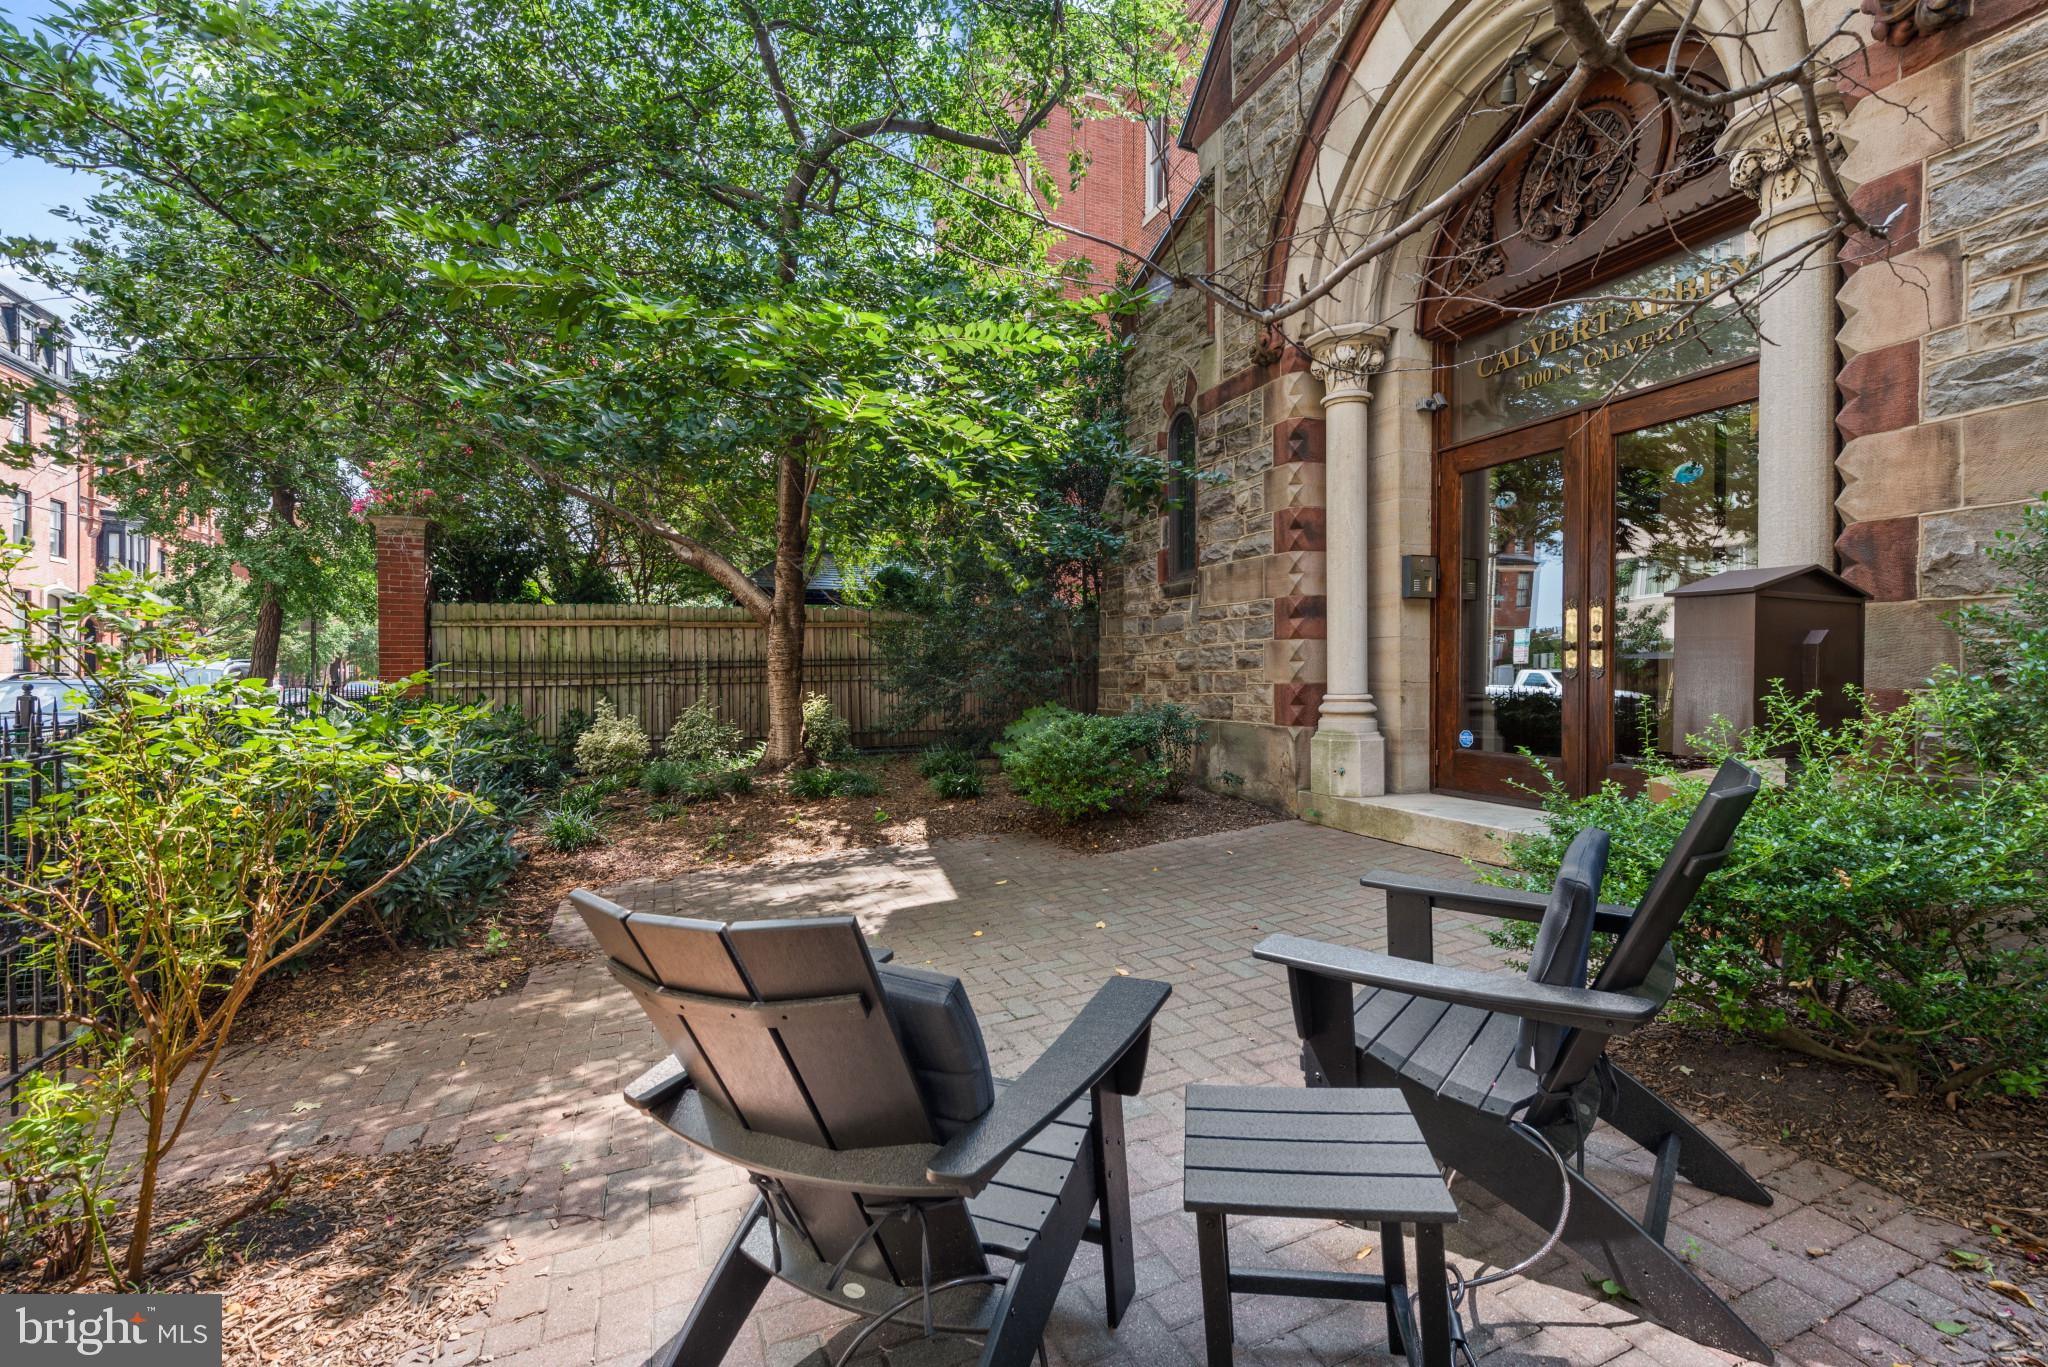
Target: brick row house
<point>1489,459</point>
<point>49,510</point>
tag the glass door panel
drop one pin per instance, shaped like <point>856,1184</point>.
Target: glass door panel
<point>1684,509</point>
<point>1512,667</point>
<point>1510,694</point>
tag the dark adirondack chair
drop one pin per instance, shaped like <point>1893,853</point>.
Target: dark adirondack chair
<point>896,1178</point>
<point>1475,1052</point>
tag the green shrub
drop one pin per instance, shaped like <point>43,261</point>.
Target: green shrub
<point>828,737</point>
<point>949,756</point>
<point>973,647</point>
<point>706,784</point>
<point>952,769</point>
<point>612,746</point>
<point>666,777</point>
<point>587,798</point>
<point>487,753</point>
<point>59,1186</point>
<point>1077,766</point>
<point>823,781</point>
<point>2007,643</point>
<point>611,785</point>
<point>441,892</point>
<point>701,736</point>
<point>1028,725</point>
<point>1169,733</point>
<point>1884,905</point>
<point>569,829</point>
<point>201,843</point>
<point>574,723</point>
<point>956,782</point>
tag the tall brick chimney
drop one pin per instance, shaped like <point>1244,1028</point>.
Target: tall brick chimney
<point>402,588</point>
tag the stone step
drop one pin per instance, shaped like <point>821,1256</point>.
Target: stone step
<point>1463,826</point>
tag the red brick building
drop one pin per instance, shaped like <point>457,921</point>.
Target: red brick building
<point>1138,174</point>
<point>49,508</point>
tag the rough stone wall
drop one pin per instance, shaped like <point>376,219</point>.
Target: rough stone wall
<point>1944,383</point>
<point>1240,639</point>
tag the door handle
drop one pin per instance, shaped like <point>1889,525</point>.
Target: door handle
<point>1596,649</point>
<point>1571,638</point>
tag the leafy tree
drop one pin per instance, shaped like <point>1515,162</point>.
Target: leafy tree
<point>198,843</point>
<point>724,273</point>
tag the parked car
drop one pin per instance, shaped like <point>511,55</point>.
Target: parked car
<point>194,673</point>
<point>1529,683</point>
<point>1541,683</point>
<point>58,701</point>
<point>355,690</point>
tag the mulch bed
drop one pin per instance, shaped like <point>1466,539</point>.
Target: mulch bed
<point>358,1260</point>
<point>1982,1164</point>
<point>351,980</point>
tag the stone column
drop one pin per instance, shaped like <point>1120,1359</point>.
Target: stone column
<point>402,596</point>
<point>1772,158</point>
<point>1347,754</point>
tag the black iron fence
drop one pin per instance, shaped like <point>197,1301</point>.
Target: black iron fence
<point>33,1002</point>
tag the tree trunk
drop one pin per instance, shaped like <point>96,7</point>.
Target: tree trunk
<point>786,618</point>
<point>284,512</point>
<point>145,1196</point>
<point>269,634</point>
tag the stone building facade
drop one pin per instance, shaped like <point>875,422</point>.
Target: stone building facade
<point>1870,406</point>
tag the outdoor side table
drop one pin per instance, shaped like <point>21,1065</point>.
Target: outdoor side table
<point>1335,1153</point>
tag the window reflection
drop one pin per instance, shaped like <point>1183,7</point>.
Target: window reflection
<point>1684,509</point>
<point>1512,582</point>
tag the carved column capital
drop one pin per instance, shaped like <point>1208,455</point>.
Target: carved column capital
<point>1345,360</point>
<point>1773,155</point>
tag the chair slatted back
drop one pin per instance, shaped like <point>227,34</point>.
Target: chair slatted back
<point>1642,960</point>
<point>1699,850</point>
<point>782,1024</point>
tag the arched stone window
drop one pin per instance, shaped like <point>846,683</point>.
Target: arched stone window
<point>1181,492</point>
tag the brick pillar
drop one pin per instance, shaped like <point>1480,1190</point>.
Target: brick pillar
<point>402,586</point>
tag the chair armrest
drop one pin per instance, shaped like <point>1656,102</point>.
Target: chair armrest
<point>1586,1008</point>
<point>894,1170</point>
<point>659,1086</point>
<point>1507,904</point>
<point>1110,1036</point>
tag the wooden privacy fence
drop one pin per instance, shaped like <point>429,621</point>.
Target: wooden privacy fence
<point>651,662</point>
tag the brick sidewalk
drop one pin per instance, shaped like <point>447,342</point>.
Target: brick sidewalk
<point>614,1223</point>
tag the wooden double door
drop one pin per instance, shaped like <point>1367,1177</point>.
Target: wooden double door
<point>1559,544</point>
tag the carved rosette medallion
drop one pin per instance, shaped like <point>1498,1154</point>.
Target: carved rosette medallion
<point>1576,173</point>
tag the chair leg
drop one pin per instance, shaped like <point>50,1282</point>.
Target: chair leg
<point>1034,1285</point>
<point>1648,1119</point>
<point>722,1307</point>
<point>1520,1171</point>
<point>1112,1180</point>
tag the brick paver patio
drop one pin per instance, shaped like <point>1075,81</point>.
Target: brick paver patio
<point>611,1224</point>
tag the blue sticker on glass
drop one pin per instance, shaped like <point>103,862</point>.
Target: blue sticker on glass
<point>1465,740</point>
<point>1688,473</point>
<point>1505,499</point>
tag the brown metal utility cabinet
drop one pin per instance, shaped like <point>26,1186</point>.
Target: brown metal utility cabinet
<point>1739,630</point>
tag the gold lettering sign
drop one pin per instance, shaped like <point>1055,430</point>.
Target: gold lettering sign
<point>1660,323</point>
